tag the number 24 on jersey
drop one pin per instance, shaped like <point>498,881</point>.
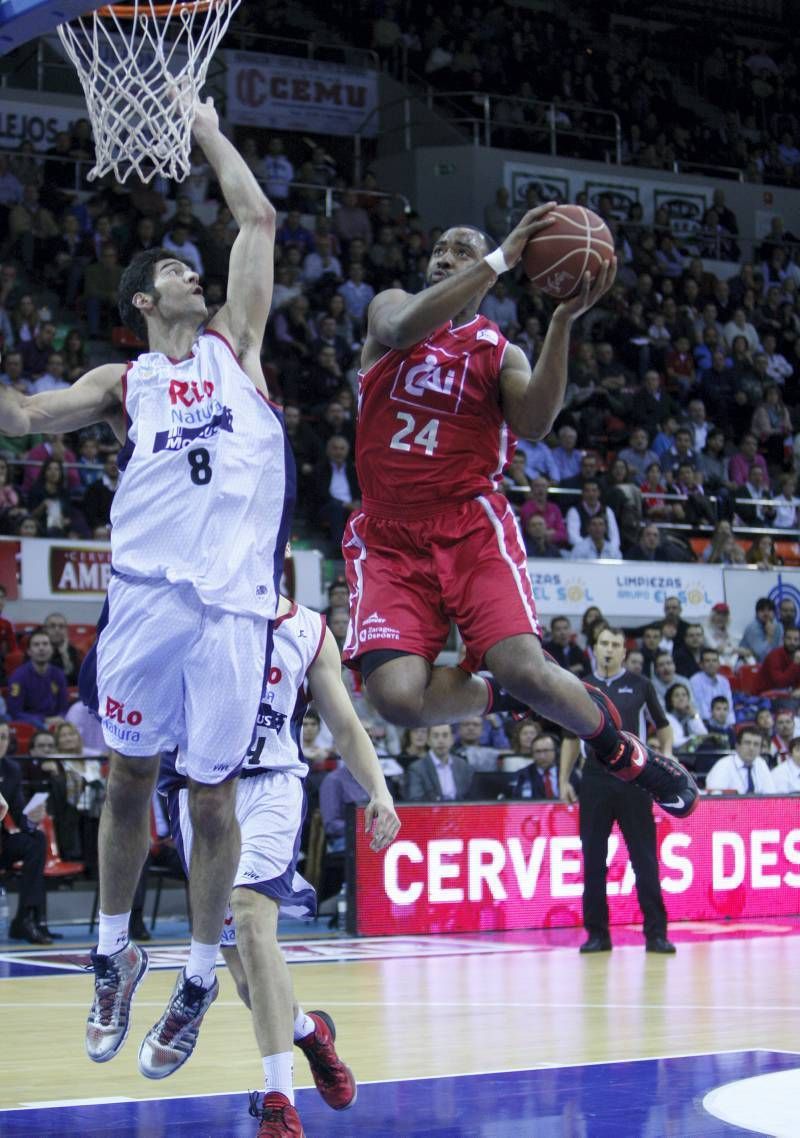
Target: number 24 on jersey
<point>425,438</point>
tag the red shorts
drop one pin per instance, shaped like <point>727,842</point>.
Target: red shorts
<point>409,578</point>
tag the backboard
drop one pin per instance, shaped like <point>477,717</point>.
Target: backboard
<point>23,20</point>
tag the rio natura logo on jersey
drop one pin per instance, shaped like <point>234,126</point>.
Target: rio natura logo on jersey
<point>194,415</point>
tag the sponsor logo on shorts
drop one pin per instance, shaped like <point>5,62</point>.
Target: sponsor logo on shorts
<point>116,710</point>
<point>122,734</point>
<point>262,590</point>
<point>251,874</point>
<point>378,632</point>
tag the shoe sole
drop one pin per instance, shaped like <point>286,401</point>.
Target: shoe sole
<point>177,1067</point>
<point>111,1054</point>
<point>332,1029</point>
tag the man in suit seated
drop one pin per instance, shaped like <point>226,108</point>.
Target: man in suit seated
<point>335,490</point>
<point>441,775</point>
<point>21,840</point>
<point>540,778</point>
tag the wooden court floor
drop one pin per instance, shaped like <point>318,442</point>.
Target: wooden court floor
<point>506,1006</point>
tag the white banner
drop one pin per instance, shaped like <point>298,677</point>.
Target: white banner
<point>300,94</point>
<point>623,588</point>
<point>23,120</point>
<point>743,587</point>
<point>684,202</point>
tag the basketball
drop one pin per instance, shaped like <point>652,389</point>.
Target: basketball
<point>557,257</point>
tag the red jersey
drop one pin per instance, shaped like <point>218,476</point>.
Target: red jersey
<point>430,424</point>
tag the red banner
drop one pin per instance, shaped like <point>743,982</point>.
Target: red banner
<point>478,867</point>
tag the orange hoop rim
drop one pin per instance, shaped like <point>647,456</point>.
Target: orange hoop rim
<point>130,11</point>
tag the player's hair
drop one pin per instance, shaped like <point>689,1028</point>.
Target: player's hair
<point>139,276</point>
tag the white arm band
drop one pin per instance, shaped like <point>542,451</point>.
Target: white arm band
<point>497,262</point>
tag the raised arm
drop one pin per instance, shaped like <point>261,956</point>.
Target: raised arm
<point>399,319</point>
<point>352,742</point>
<point>96,397</point>
<point>243,317</point>
<point>532,399</point>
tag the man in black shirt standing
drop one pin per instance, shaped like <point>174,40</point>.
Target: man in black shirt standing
<point>605,800</point>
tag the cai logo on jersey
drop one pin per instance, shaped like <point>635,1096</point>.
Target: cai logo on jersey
<point>180,435</point>
<point>436,381</point>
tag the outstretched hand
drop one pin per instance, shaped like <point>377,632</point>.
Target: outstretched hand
<point>205,119</point>
<point>590,292</point>
<point>533,222</point>
<point>381,820</point>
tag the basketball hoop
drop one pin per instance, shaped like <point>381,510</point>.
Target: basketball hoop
<point>142,66</point>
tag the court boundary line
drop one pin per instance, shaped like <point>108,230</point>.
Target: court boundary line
<point>61,1104</point>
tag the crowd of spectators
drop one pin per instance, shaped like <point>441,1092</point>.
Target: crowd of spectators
<point>682,95</point>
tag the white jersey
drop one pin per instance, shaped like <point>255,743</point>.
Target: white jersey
<point>296,643</point>
<point>208,486</point>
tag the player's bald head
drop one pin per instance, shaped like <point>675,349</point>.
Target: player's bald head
<point>470,234</point>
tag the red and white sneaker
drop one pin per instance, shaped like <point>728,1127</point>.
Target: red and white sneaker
<point>279,1119</point>
<point>333,1078</point>
<point>669,783</point>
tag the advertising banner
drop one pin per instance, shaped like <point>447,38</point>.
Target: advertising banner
<point>627,588</point>
<point>685,203</point>
<point>300,94</point>
<point>24,120</point>
<point>476,867</point>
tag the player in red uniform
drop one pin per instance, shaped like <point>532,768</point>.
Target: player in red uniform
<point>441,396</point>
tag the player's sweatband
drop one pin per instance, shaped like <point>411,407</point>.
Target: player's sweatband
<point>497,262</point>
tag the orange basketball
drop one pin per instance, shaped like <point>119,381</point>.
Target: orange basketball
<point>576,242</point>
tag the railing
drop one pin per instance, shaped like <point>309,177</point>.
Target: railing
<point>485,129</point>
<point>326,194</point>
<point>304,48</point>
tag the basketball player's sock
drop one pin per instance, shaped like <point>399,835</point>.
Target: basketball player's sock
<point>605,738</point>
<point>202,962</point>
<point>303,1025</point>
<point>278,1073</point>
<point>112,933</point>
<point>498,699</point>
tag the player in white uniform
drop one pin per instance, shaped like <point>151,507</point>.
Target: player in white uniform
<point>197,524</point>
<point>270,808</point>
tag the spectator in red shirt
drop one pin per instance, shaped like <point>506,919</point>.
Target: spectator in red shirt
<point>781,667</point>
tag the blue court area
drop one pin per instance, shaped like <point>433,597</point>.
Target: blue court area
<point>650,1098</point>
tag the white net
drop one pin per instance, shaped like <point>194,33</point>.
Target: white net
<point>142,66</point>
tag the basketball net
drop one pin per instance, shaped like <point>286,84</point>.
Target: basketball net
<point>142,66</point>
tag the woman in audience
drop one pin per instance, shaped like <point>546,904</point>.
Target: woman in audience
<point>624,498</point>
<point>74,353</point>
<point>772,423</point>
<point>592,616</point>
<point>48,500</point>
<point>653,488</point>
<point>522,736</point>
<point>723,549</point>
<point>86,784</point>
<point>687,726</point>
<point>763,554</point>
<point>10,509</point>
<point>413,745</point>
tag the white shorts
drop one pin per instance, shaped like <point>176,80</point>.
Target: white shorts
<point>270,810</point>
<point>173,672</point>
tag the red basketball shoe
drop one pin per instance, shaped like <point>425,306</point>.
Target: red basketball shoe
<point>279,1119</point>
<point>333,1078</point>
